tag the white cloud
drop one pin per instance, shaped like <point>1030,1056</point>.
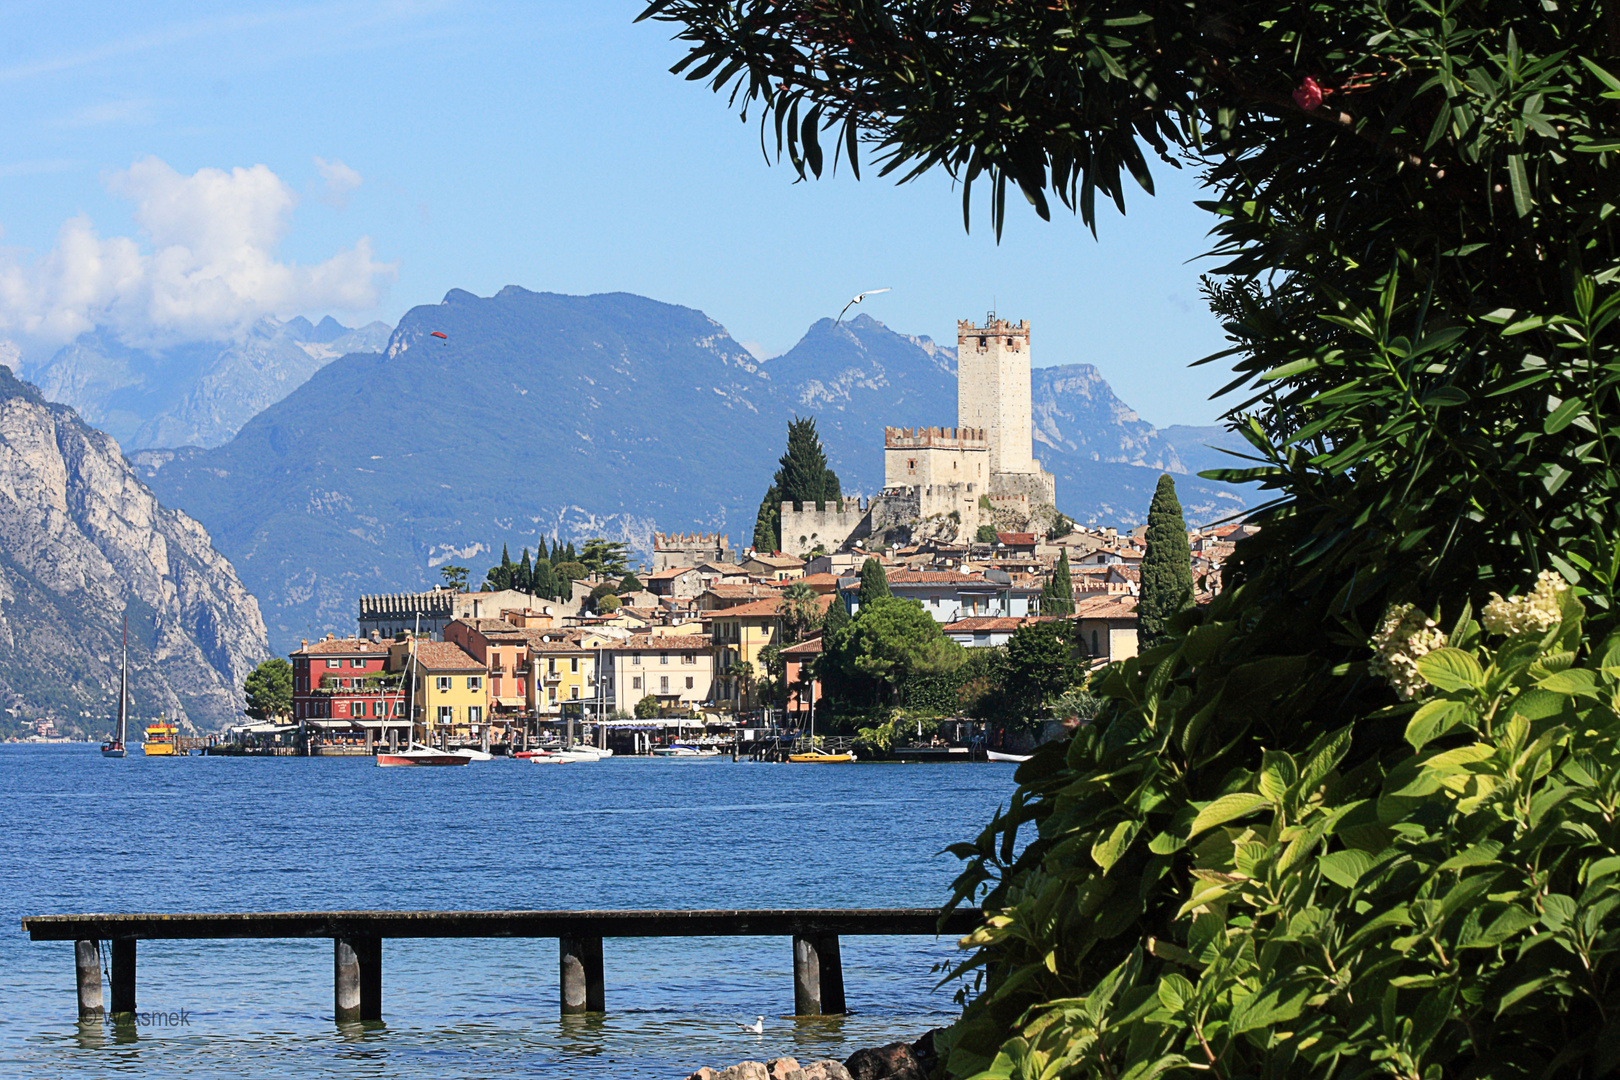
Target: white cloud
<point>340,180</point>
<point>208,268</point>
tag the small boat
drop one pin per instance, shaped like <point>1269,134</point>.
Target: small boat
<point>997,755</point>
<point>161,740</point>
<point>681,750</point>
<point>820,757</point>
<point>474,755</point>
<point>417,754</point>
<point>580,755</point>
<point>114,747</point>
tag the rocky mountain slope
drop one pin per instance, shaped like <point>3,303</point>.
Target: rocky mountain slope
<point>83,542</point>
<point>197,393</point>
<point>540,415</point>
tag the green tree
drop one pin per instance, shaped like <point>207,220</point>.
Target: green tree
<point>500,576</point>
<point>455,577</point>
<point>837,616</point>
<point>569,554</point>
<point>874,582</point>
<point>523,577</point>
<point>888,641</point>
<point>1167,579</point>
<point>630,583</point>
<point>269,690</point>
<point>545,579</point>
<point>568,573</point>
<point>1061,527</point>
<point>607,558</point>
<point>608,604</point>
<point>986,534</point>
<point>1057,596</point>
<point>801,612</point>
<point>601,592</point>
<point>647,708</point>
<point>768,521</point>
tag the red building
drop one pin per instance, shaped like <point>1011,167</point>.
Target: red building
<point>344,683</point>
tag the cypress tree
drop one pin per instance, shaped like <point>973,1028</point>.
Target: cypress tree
<point>1057,598</point>
<point>568,554</point>
<point>767,523</point>
<point>874,582</point>
<point>545,580</point>
<point>836,619</point>
<point>1167,579</point>
<point>524,578</point>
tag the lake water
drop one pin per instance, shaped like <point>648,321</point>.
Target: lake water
<point>86,834</point>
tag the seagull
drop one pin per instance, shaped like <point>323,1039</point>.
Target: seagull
<point>757,1027</point>
<point>858,298</point>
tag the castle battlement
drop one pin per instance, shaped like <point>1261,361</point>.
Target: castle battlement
<point>993,328</point>
<point>950,438</point>
<point>681,541</point>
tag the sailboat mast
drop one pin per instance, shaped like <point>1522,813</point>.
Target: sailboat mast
<point>123,688</point>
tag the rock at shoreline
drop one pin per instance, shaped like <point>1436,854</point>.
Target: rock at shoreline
<point>744,1070</point>
<point>926,1052</point>
<point>784,1068</point>
<point>826,1069</point>
<point>892,1062</point>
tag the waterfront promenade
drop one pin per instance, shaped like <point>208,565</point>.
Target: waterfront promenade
<point>221,834</point>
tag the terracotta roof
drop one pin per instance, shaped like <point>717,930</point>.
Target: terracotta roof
<point>810,647</point>
<point>986,623</point>
<point>935,577</point>
<point>785,561</point>
<point>445,656</point>
<point>758,609</point>
<point>819,579</point>
<point>1111,606</point>
<point>344,647</point>
<point>672,643</point>
<point>1021,539</point>
<point>740,592</point>
<point>672,572</point>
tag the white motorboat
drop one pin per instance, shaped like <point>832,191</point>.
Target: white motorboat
<point>997,755</point>
<point>681,750</point>
<point>563,757</point>
<point>474,755</point>
<point>417,754</point>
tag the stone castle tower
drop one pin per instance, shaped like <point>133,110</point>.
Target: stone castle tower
<point>993,393</point>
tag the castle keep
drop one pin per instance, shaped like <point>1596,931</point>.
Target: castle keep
<point>945,472</point>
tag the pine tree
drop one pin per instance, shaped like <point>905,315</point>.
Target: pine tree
<point>523,580</point>
<point>1057,598</point>
<point>1167,579</point>
<point>766,522</point>
<point>836,619</point>
<point>874,582</point>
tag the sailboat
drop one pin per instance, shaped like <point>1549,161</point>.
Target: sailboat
<point>815,755</point>
<point>115,747</point>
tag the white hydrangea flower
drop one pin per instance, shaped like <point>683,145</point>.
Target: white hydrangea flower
<point>1535,612</point>
<point>1403,638</point>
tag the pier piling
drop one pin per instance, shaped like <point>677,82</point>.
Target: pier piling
<point>87,957</point>
<point>357,978</point>
<point>580,971</point>
<point>123,976</point>
<point>818,975</point>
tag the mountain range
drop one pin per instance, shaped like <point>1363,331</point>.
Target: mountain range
<point>85,545</point>
<point>498,420</point>
<point>196,393</point>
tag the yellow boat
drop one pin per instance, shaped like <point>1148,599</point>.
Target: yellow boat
<point>821,757</point>
<point>160,740</point>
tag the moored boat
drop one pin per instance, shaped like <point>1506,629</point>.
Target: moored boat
<point>820,757</point>
<point>114,747</point>
<point>682,750</point>
<point>162,740</point>
<point>997,755</point>
<point>417,754</point>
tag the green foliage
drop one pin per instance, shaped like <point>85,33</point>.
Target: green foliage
<point>630,583</point>
<point>898,727</point>
<point>1167,580</point>
<point>1057,595</point>
<point>986,534</point>
<point>269,690</point>
<point>647,708</point>
<point>936,694</point>
<point>801,612</point>
<point>500,576</point>
<point>608,604</point>
<point>523,576</point>
<point>802,477</point>
<point>567,572</point>
<point>1061,527</point>
<point>608,558</point>
<point>768,521</point>
<point>1419,287</point>
<point>454,577</point>
<point>837,617</point>
<point>874,582</point>
<point>544,579</point>
<point>888,642</point>
<point>1443,911</point>
<point>1040,663</point>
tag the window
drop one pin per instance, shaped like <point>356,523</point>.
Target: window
<point>688,658</point>
<point>357,662</point>
<point>551,665</point>
<point>443,683</point>
<point>635,659</point>
<point>474,682</point>
<point>663,684</point>
<point>635,683</point>
<point>663,658</point>
<point>475,714</point>
<point>334,663</point>
<point>1094,651</point>
<point>573,664</point>
<point>446,714</point>
<point>573,693</point>
<point>689,682</point>
<point>551,694</point>
<point>399,707</point>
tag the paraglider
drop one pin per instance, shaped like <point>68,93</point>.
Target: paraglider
<point>441,334</point>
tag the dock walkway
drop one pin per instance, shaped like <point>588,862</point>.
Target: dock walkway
<point>818,979</point>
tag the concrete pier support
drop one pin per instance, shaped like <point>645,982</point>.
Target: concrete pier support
<point>356,979</point>
<point>818,976</point>
<point>87,959</point>
<point>580,973</point>
<point>123,976</point>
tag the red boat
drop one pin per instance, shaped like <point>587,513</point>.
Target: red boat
<point>417,754</point>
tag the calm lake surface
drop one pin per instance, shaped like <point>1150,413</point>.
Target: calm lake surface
<point>86,834</point>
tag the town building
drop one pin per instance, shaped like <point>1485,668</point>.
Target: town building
<point>344,683</point>
<point>950,595</point>
<point>447,688</point>
<point>987,633</point>
<point>427,613</point>
<point>774,567</point>
<point>799,671</point>
<point>690,549</point>
<point>677,582</point>
<point>1107,626</point>
<point>676,670</point>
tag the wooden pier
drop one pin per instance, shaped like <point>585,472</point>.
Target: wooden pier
<point>818,976</point>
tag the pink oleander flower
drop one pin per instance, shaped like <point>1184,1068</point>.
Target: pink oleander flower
<point>1308,94</point>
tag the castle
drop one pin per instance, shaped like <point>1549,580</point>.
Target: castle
<point>949,472</point>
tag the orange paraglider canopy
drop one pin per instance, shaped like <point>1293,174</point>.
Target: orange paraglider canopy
<point>441,334</point>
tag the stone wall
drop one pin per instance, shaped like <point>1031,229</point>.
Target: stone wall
<point>832,526</point>
<point>993,389</point>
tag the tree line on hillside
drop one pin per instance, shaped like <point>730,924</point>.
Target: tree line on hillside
<point>550,574</point>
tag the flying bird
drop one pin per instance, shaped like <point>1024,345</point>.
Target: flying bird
<point>757,1027</point>
<point>858,298</point>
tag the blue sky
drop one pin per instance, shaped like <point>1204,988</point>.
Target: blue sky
<point>407,148</point>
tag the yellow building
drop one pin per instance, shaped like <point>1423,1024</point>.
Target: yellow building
<point>561,669</point>
<point>738,634</point>
<point>449,689</point>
